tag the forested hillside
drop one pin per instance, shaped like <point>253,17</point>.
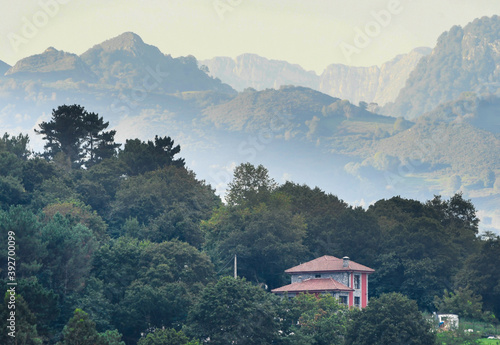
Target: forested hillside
<point>348,149</point>
<point>464,60</point>
<point>124,243</point>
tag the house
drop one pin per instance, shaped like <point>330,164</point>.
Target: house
<point>447,321</point>
<point>342,278</point>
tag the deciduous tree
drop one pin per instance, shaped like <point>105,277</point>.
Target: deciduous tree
<point>24,328</point>
<point>462,302</point>
<point>390,319</point>
<point>71,248</point>
<point>167,336</point>
<point>29,246</point>
<point>170,197</point>
<point>266,238</point>
<point>81,330</point>
<point>141,157</point>
<point>310,319</point>
<point>481,274</point>
<point>250,185</point>
<point>233,311</point>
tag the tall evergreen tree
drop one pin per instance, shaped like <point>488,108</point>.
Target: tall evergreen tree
<point>233,311</point>
<point>78,135</point>
<point>98,144</point>
<point>17,145</point>
<point>141,157</point>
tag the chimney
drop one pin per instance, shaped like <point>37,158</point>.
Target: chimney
<point>346,261</point>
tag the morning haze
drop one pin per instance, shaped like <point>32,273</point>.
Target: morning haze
<point>165,166</point>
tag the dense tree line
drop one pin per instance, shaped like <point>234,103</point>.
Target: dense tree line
<point>124,245</point>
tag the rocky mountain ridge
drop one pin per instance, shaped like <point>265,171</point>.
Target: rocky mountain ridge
<point>52,65</point>
<point>464,60</point>
<point>319,139</point>
<point>254,71</point>
<point>124,61</point>
<point>369,84</point>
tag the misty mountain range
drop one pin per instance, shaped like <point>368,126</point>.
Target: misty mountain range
<point>434,129</point>
<point>369,84</point>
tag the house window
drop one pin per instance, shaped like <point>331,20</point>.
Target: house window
<point>317,276</point>
<point>357,301</point>
<point>357,281</point>
<point>343,299</point>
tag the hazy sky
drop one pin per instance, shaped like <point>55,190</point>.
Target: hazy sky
<point>312,33</point>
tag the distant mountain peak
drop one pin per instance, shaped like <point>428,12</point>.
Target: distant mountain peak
<point>3,67</point>
<point>369,84</point>
<point>130,36</point>
<point>128,41</point>
<point>252,70</point>
<point>422,50</point>
<point>53,64</point>
<point>128,44</point>
<point>125,61</point>
<point>50,50</point>
<point>125,40</point>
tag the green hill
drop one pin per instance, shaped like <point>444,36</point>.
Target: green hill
<point>331,123</point>
<point>455,146</point>
<point>251,109</point>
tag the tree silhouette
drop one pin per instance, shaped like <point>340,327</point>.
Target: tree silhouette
<point>78,136</point>
<point>141,157</point>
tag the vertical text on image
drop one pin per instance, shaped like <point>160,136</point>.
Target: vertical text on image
<point>11,284</point>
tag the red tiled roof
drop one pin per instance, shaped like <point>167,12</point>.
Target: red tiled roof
<point>312,285</point>
<point>328,263</point>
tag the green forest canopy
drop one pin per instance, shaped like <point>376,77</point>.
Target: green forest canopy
<point>131,246</point>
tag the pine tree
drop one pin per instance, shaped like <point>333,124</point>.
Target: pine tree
<point>78,136</point>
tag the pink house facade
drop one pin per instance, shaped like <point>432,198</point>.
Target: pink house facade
<point>344,279</point>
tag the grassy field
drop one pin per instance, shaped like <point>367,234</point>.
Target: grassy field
<point>489,342</point>
<point>484,328</point>
<point>445,339</point>
<point>480,329</point>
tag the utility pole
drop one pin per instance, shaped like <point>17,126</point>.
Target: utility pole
<point>235,267</point>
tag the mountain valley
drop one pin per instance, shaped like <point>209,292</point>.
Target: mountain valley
<point>429,133</point>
